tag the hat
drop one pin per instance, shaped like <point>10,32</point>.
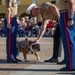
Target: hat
<point>30,8</point>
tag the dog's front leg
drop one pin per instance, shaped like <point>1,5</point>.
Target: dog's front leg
<point>36,54</point>
<point>25,58</point>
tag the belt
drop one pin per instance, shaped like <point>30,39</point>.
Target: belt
<point>65,10</point>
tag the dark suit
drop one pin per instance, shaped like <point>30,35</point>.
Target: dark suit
<point>56,41</point>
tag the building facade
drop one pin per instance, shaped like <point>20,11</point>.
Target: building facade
<point>22,6</point>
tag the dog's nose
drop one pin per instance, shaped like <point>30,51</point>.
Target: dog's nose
<point>38,49</point>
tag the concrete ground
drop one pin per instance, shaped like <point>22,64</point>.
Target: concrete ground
<point>33,67</point>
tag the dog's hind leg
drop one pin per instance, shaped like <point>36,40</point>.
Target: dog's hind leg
<point>37,56</point>
<point>25,58</point>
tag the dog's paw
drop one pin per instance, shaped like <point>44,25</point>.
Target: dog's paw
<point>38,58</point>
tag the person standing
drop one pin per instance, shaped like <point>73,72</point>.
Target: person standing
<point>48,12</point>
<point>11,25</point>
<point>67,28</point>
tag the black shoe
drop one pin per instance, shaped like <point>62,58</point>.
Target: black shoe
<point>52,60</point>
<point>62,62</point>
<point>18,60</point>
<point>12,61</point>
<point>65,69</point>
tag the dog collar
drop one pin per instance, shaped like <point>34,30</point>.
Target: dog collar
<point>31,48</point>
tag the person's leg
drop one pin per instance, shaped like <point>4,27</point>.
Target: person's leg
<point>71,51</point>
<point>56,45</point>
<point>68,38</point>
<point>4,31</point>
<point>14,38</point>
<point>8,52</point>
<point>8,44</point>
<point>63,29</point>
<point>57,41</point>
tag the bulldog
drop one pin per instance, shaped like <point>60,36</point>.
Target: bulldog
<point>28,47</point>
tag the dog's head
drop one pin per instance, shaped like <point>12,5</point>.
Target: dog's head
<point>34,47</point>
<point>27,45</point>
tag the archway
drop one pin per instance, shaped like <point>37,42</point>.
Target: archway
<point>2,15</point>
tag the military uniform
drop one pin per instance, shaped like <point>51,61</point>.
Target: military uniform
<point>11,34</point>
<point>48,15</point>
<point>68,35</point>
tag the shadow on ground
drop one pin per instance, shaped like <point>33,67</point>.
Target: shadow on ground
<point>35,70</point>
<point>39,70</point>
<point>4,61</point>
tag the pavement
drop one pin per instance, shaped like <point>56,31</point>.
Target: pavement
<point>43,69</point>
<point>34,68</point>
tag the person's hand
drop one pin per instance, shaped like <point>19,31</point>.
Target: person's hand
<point>55,22</point>
<point>9,26</point>
<point>70,22</point>
<point>35,41</point>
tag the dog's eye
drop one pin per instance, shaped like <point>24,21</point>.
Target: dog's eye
<point>33,46</point>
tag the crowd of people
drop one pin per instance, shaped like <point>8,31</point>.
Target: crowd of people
<point>29,27</point>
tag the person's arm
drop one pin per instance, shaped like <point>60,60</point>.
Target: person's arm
<point>8,12</point>
<point>42,30</point>
<point>55,10</point>
<point>70,7</point>
<point>19,22</point>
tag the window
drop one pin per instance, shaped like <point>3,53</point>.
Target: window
<point>0,2</point>
<point>18,2</point>
<point>34,1</point>
<point>53,1</point>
